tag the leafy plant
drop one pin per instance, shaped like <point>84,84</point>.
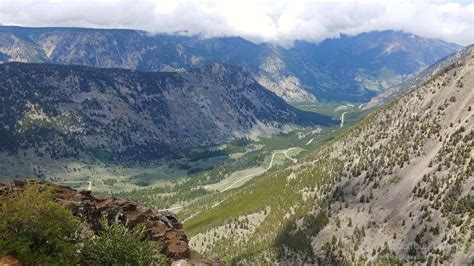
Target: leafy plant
<point>30,229</point>
<point>118,245</point>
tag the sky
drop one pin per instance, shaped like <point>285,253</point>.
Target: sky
<point>281,22</point>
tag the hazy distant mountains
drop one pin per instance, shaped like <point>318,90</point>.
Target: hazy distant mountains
<point>63,111</point>
<point>415,81</point>
<point>348,68</point>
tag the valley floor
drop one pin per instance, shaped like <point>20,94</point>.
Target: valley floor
<point>167,183</point>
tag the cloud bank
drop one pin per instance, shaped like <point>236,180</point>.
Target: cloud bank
<point>257,20</point>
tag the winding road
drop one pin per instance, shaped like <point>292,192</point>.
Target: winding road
<point>285,152</point>
<point>246,177</point>
<point>342,119</point>
<point>263,171</point>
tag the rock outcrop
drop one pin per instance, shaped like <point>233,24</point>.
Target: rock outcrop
<point>9,261</point>
<point>163,227</point>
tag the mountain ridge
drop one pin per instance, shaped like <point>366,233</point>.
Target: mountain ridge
<point>415,81</point>
<point>302,73</point>
<point>394,189</point>
<point>136,114</point>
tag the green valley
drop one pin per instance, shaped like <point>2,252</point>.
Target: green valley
<point>236,133</point>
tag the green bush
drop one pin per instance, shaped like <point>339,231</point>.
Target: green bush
<point>118,245</point>
<point>35,230</point>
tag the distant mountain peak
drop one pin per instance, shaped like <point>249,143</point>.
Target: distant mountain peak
<point>349,68</point>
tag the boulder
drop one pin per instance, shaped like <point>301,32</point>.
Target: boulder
<point>162,227</point>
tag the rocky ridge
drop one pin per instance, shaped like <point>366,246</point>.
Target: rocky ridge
<point>349,68</point>
<point>162,227</point>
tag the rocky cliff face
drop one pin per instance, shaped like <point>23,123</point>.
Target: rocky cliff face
<point>162,227</point>
<point>348,68</point>
<point>64,111</point>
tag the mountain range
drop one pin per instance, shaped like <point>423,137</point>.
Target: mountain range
<point>181,122</point>
<point>416,80</point>
<point>64,111</point>
<point>396,188</point>
<point>349,68</point>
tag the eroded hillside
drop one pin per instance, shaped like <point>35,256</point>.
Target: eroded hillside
<point>55,111</point>
<point>398,187</point>
<point>408,181</point>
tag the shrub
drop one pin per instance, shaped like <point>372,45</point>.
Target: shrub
<point>118,245</point>
<point>30,229</point>
<point>412,251</point>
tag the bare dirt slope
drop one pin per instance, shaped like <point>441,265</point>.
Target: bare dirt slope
<point>397,188</point>
<point>407,187</point>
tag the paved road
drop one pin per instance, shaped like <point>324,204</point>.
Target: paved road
<point>342,119</point>
<point>288,157</point>
<point>261,172</point>
<point>285,152</point>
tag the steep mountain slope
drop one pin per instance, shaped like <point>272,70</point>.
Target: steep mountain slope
<point>62,111</point>
<point>396,188</point>
<point>366,64</point>
<point>348,68</point>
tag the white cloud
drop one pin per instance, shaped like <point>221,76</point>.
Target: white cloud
<point>258,20</point>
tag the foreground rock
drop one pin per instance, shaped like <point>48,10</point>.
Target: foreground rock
<point>163,227</point>
<point>8,261</point>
